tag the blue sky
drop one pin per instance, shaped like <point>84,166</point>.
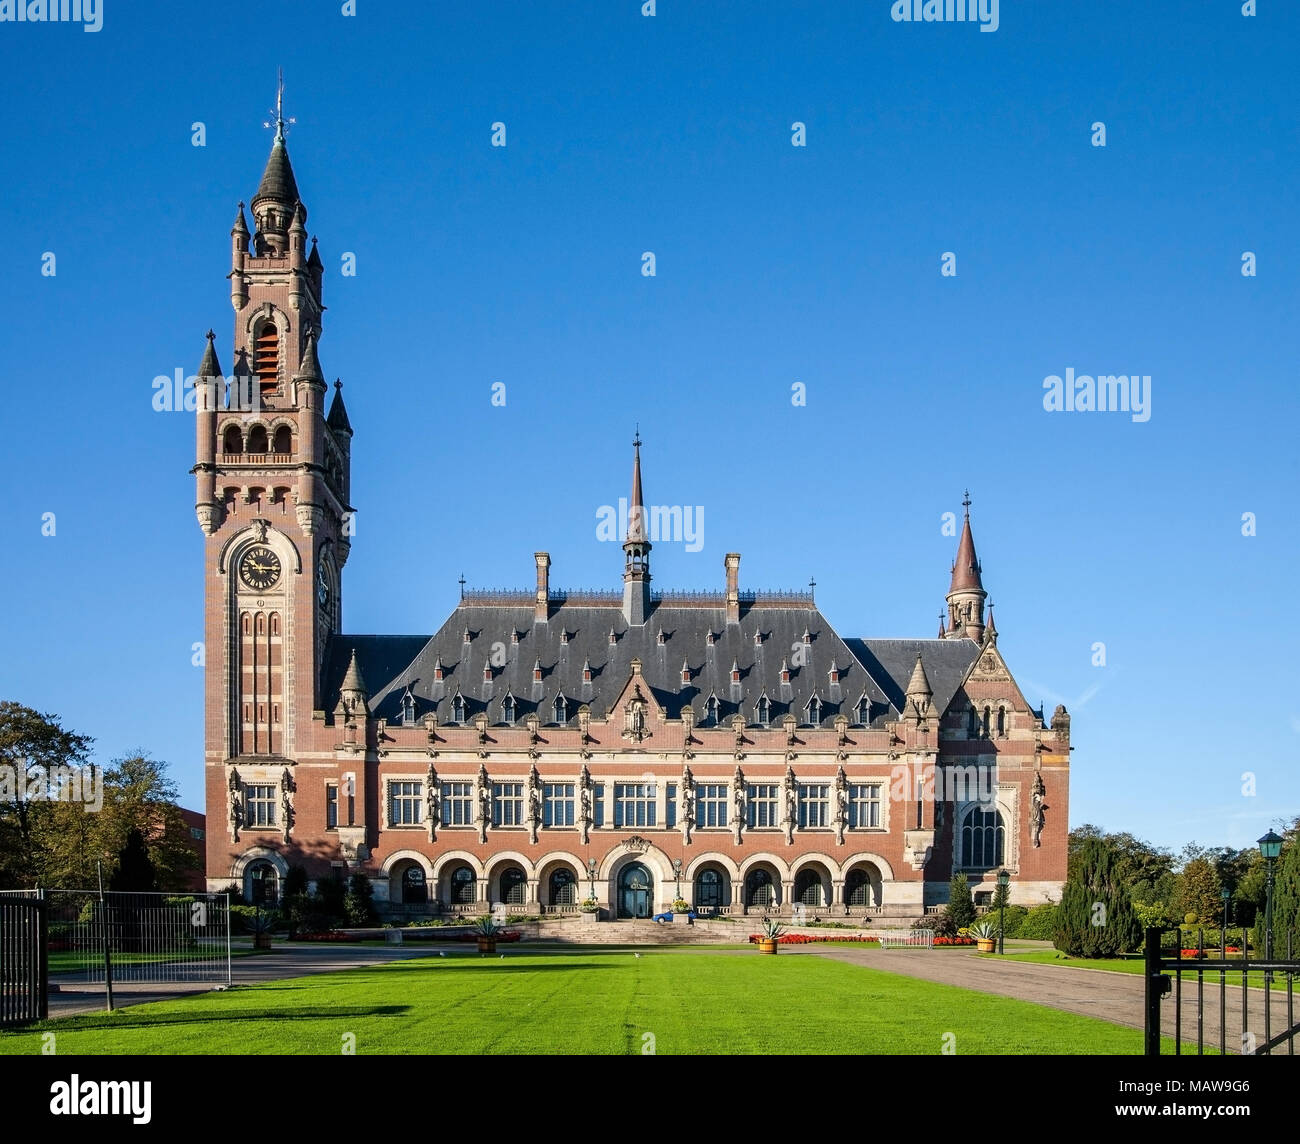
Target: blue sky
<point>775,265</point>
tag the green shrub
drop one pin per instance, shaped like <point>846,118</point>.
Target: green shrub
<point>1039,923</point>
<point>358,905</point>
<point>961,907</point>
<point>941,924</point>
<point>1012,919</point>
<point>1096,916</point>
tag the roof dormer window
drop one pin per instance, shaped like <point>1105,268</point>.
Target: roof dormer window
<point>659,637</point>
<point>735,672</point>
<point>508,708</point>
<point>561,709</point>
<point>864,711</point>
<point>537,671</point>
<point>458,709</point>
<point>586,671</point>
<point>437,669</point>
<point>814,711</point>
<point>487,671</point>
<point>785,672</point>
<point>686,674</point>
<point>711,711</point>
<point>834,673</point>
<point>764,711</point>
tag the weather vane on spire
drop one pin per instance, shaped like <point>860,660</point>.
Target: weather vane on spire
<point>277,113</point>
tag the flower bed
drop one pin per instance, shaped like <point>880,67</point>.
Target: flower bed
<point>954,941</point>
<point>809,939</point>
<point>331,935</point>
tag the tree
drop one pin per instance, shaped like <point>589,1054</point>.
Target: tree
<point>36,754</point>
<point>1096,916</point>
<point>1286,892</point>
<point>961,907</point>
<point>1200,893</point>
<point>139,795</point>
<point>135,872</point>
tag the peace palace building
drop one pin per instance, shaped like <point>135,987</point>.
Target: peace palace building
<point>545,745</point>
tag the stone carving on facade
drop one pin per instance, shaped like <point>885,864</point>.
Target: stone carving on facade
<point>585,805</point>
<point>634,724</point>
<point>738,793</point>
<point>688,740</point>
<point>236,812</point>
<point>636,844</point>
<point>841,805</point>
<point>286,801</point>
<point>584,731</point>
<point>534,804</point>
<point>432,803</point>
<point>481,724</point>
<point>738,729</point>
<point>1039,805</point>
<point>483,796</point>
<point>431,727</point>
<point>686,804</point>
<point>791,792</point>
<point>259,527</point>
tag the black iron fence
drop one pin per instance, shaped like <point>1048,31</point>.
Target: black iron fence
<point>22,961</point>
<point>1220,995</point>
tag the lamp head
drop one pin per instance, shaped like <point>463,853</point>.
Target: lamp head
<point>1270,846</point>
<point>1004,879</point>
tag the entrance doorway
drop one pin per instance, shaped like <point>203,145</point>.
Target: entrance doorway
<point>634,885</point>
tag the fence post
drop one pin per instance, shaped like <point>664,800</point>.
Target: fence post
<point>103,933</point>
<point>1155,982</point>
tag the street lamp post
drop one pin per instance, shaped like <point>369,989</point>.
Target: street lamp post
<point>1226,895</point>
<point>591,877</point>
<point>1004,880</point>
<point>1270,846</point>
<point>677,867</point>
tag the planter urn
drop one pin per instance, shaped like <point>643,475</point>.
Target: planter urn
<point>766,945</point>
<point>487,945</point>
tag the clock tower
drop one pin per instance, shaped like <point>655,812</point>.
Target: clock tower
<point>273,474</point>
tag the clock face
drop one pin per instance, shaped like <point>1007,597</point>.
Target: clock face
<point>260,568</point>
<point>322,587</point>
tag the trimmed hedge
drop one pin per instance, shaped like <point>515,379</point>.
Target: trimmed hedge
<point>1039,924</point>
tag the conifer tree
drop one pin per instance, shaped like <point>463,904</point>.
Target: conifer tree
<point>1096,916</point>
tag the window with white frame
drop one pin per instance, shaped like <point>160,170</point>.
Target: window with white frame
<point>763,805</point>
<point>557,804</point>
<point>864,806</point>
<point>458,804</point>
<point>405,803</point>
<point>814,805</point>
<point>634,804</point>
<point>259,801</point>
<point>711,800</point>
<point>507,804</point>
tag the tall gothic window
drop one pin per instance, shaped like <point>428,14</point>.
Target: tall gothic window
<point>982,840</point>
<point>266,357</point>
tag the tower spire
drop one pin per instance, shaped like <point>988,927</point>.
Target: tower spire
<point>966,593</point>
<point>636,548</point>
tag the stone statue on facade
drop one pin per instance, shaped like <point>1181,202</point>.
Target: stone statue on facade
<point>686,803</point>
<point>483,793</point>
<point>236,806</point>
<point>791,805</point>
<point>432,803</point>
<point>1039,805</point>
<point>585,817</point>
<point>534,804</point>
<point>738,803</point>
<point>286,802</point>
<point>841,805</point>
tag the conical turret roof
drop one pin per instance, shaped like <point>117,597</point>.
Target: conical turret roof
<point>966,568</point>
<point>209,367</point>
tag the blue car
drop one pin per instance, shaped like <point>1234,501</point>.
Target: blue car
<point>667,916</point>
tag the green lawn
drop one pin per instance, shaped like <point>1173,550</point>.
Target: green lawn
<point>590,1001</point>
<point>1133,963</point>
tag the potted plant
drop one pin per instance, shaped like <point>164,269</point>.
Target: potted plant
<point>985,935</point>
<point>772,930</point>
<point>591,908</point>
<point>681,906</point>
<point>486,929</point>
<point>260,924</point>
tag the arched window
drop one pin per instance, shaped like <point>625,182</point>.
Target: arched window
<point>508,709</point>
<point>987,713</point>
<point>808,888</point>
<point>708,889</point>
<point>758,888</point>
<point>414,889</point>
<point>233,441</point>
<point>257,442</point>
<point>1002,722</point>
<point>408,709</point>
<point>764,711</point>
<point>561,709</point>
<point>864,712</point>
<point>263,884</point>
<point>982,840</point>
<point>564,887</point>
<point>858,889</point>
<point>814,711</point>
<point>514,885</point>
<point>458,709</point>
<point>283,440</point>
<point>463,886</point>
<point>972,721</point>
<point>266,356</point>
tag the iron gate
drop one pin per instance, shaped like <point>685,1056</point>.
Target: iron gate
<point>1255,995</point>
<point>22,960</point>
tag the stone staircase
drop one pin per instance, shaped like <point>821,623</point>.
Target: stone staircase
<point>641,932</point>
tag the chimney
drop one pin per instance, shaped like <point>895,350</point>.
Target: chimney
<point>732,563</point>
<point>542,608</point>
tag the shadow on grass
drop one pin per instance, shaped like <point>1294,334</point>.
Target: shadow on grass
<point>217,1016</point>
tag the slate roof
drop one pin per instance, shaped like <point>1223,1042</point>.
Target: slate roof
<point>578,634</point>
<point>947,662</point>
<point>278,182</point>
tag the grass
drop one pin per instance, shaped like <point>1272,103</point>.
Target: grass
<point>592,1002</point>
<point>79,960</point>
<point>1132,963</point>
